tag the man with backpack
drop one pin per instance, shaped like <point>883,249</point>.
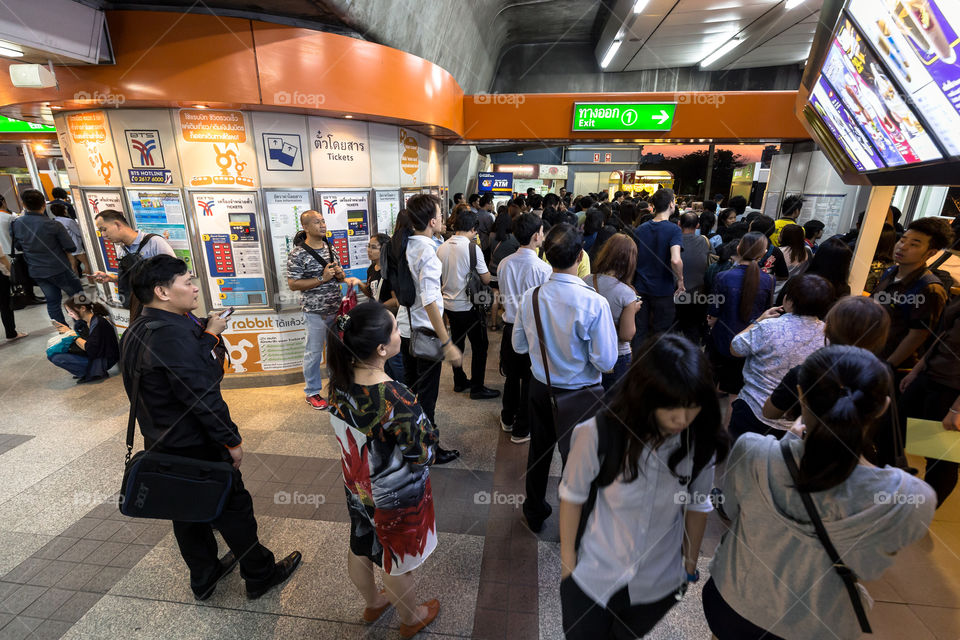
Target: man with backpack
<point>313,269</point>
<point>133,247</point>
<point>913,296</point>
<point>46,246</point>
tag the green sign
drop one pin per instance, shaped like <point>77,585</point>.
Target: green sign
<point>623,116</point>
<point>9,125</point>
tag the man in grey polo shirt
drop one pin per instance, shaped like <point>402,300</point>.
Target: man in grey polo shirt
<point>113,227</point>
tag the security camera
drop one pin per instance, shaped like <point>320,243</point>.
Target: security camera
<point>32,76</point>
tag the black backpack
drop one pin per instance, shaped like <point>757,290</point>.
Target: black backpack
<point>395,270</point>
<point>125,268</point>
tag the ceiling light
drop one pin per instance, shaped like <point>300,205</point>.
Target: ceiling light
<point>200,106</point>
<point>348,116</point>
<point>729,46</point>
<point>640,5</point>
<point>10,52</point>
<point>793,3</point>
<point>608,56</point>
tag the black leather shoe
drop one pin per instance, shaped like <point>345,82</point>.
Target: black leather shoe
<point>460,388</point>
<point>484,393</point>
<point>227,564</point>
<point>282,571</point>
<point>446,455</point>
<point>536,523</point>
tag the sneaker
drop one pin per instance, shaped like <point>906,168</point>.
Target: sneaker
<point>518,439</point>
<point>317,402</point>
<point>506,427</point>
<point>280,574</point>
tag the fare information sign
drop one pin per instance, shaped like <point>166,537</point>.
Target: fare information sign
<point>623,116</point>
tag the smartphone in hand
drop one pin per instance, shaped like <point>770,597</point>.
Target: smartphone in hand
<point>226,314</point>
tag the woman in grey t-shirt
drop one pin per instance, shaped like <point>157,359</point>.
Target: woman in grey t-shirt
<point>611,278</point>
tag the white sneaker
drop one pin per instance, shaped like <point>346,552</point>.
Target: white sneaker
<point>506,427</point>
<point>520,439</point>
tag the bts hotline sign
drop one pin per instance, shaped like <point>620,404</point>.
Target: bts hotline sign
<point>495,182</point>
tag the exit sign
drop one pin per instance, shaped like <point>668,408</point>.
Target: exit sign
<point>623,116</point>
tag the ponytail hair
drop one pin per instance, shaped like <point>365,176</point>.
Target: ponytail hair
<point>354,338</point>
<point>82,301</point>
<point>846,389</point>
<point>751,248</point>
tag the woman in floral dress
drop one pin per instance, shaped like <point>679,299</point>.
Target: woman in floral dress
<point>386,446</point>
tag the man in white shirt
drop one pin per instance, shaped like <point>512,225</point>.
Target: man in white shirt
<point>518,273</point>
<point>466,319</point>
<point>5,219</point>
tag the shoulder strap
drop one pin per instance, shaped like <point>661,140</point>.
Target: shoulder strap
<point>939,261</point>
<point>846,574</point>
<point>135,384</point>
<point>316,256</point>
<point>144,242</point>
<point>473,257</point>
<point>543,346</point>
<point>596,287</point>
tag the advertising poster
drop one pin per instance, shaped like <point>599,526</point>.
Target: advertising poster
<point>283,212</point>
<point>265,342</point>
<point>918,46</point>
<point>92,148</point>
<point>161,212</point>
<point>409,158</point>
<point>97,201</point>
<point>339,152</point>
<point>216,149</point>
<point>227,223</point>
<point>841,123</point>
<point>145,147</point>
<point>385,155</point>
<point>880,109</point>
<point>281,140</point>
<point>488,182</point>
<point>66,149</point>
<point>388,206</point>
<point>348,228</point>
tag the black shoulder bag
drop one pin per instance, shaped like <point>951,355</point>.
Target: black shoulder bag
<point>480,294</point>
<point>570,406</point>
<point>169,487</point>
<point>846,574</point>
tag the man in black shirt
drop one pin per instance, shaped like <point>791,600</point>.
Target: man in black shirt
<point>182,412</point>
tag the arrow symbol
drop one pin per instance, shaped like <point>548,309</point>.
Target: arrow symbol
<point>661,117</point>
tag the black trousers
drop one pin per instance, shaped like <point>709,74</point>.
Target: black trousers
<point>543,438</point>
<point>692,316</point>
<point>423,378</point>
<point>656,315</point>
<point>742,420</point>
<point>515,367</point>
<point>6,308</point>
<point>725,622</point>
<point>236,524</point>
<point>931,400</point>
<point>584,618</point>
<point>470,324</point>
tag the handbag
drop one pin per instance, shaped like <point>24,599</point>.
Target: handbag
<point>846,574</point>
<point>570,406</point>
<point>348,302</point>
<point>166,486</point>
<point>425,343</point>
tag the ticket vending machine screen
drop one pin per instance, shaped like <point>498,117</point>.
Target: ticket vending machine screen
<point>243,226</point>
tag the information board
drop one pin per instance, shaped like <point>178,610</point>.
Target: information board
<point>265,342</point>
<point>161,212</point>
<point>623,116</point>
<point>283,213</point>
<point>825,207</point>
<point>388,206</point>
<point>228,228</point>
<point>97,201</point>
<point>348,228</point>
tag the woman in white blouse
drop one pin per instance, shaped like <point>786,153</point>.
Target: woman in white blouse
<point>649,493</point>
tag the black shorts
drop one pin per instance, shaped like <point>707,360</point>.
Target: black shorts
<point>727,624</point>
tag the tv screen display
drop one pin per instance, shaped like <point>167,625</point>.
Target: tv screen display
<point>842,124</point>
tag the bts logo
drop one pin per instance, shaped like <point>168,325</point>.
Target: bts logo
<point>331,205</point>
<point>94,204</point>
<point>206,206</point>
<point>144,148</point>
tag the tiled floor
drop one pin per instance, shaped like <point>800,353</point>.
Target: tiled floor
<point>71,566</point>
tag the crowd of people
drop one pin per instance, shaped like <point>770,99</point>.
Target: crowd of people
<point>681,359</point>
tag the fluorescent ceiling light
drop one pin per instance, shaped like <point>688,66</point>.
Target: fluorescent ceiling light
<point>640,5</point>
<point>793,3</point>
<point>608,56</point>
<point>729,46</point>
<point>10,53</point>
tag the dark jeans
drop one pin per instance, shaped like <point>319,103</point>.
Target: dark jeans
<point>725,622</point>
<point>742,420</point>
<point>6,308</point>
<point>515,367</point>
<point>423,378</point>
<point>74,363</point>
<point>619,370</point>
<point>584,618</point>
<point>65,281</point>
<point>543,438</point>
<point>470,324</point>
<point>931,400</point>
<point>656,315</point>
<point>692,316</point>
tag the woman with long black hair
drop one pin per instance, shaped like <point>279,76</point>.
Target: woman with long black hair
<point>386,446</point>
<point>640,541</point>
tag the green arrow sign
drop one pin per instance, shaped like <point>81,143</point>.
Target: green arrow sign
<point>623,116</point>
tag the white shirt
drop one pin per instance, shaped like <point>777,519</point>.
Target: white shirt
<point>455,264</point>
<point>516,274</point>
<point>5,219</point>
<point>426,270</point>
<point>634,534</point>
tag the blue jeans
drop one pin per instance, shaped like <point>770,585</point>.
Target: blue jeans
<point>52,286</point>
<point>619,370</point>
<point>75,364</point>
<point>313,357</point>
<point>394,367</point>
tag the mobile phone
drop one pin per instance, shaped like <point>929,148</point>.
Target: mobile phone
<point>226,314</point>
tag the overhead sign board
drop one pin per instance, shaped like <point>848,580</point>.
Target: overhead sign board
<point>494,182</point>
<point>9,125</point>
<point>623,116</point>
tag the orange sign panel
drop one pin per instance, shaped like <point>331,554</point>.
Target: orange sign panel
<point>212,126</point>
<point>87,127</point>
